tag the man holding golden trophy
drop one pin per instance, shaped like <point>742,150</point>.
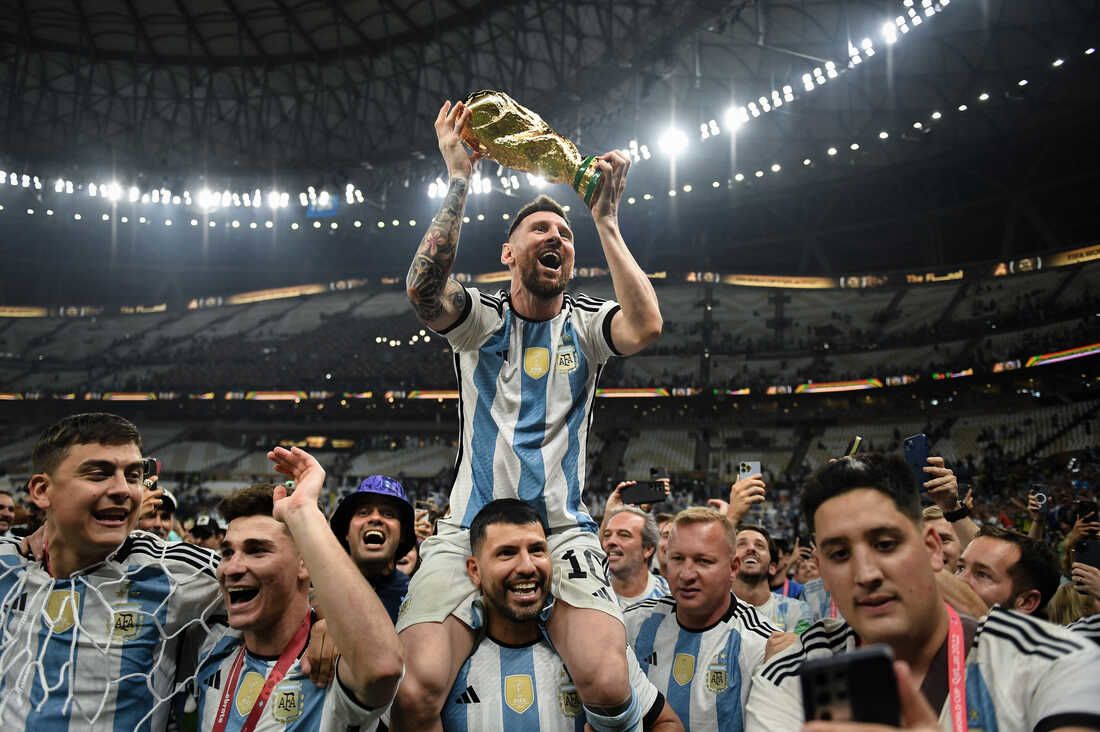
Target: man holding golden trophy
<point>527,360</point>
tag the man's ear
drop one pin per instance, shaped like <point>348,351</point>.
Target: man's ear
<point>506,257</point>
<point>473,571</point>
<point>303,570</point>
<point>37,487</point>
<point>934,546</point>
<point>1027,602</point>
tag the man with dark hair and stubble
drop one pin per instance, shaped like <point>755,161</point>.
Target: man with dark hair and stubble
<point>103,630</point>
<point>7,513</point>
<point>527,361</point>
<point>1010,569</point>
<point>1011,672</point>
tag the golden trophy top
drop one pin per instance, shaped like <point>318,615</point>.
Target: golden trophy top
<point>505,131</point>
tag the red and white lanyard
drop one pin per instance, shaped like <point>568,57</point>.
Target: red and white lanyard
<point>286,659</point>
<point>956,670</point>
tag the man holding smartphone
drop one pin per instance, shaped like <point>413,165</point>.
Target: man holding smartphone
<point>1010,672</point>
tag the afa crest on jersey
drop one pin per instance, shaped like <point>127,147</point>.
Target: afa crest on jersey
<point>519,692</point>
<point>683,668</point>
<point>536,362</point>
<point>126,623</point>
<point>286,702</point>
<point>566,362</point>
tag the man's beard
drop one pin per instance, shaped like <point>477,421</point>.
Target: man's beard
<point>536,287</point>
<point>518,615</point>
<point>752,578</point>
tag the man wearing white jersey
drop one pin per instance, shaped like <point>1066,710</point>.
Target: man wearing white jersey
<point>753,562</point>
<point>514,680</point>
<point>629,537</point>
<point>104,629</point>
<point>275,546</point>
<point>1011,672</point>
<point>700,646</point>
<point>527,361</point>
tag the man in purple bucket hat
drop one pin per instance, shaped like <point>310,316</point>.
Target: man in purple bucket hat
<point>375,525</point>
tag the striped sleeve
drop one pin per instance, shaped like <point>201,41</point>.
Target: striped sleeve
<point>1088,627</point>
<point>593,317</point>
<point>481,316</point>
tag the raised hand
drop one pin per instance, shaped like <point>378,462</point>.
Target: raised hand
<point>942,485</point>
<point>448,128</point>
<point>308,477</point>
<point>613,166</point>
<point>743,494</point>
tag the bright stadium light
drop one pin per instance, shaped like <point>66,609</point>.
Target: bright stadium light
<point>672,142</point>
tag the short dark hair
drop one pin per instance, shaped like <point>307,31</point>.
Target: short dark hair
<point>81,429</point>
<point>257,499</point>
<point>887,474</point>
<point>1037,567</point>
<point>501,511</point>
<point>773,548</point>
<point>542,203</point>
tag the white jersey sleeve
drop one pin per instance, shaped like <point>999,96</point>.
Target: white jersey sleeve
<point>594,325</point>
<point>482,315</point>
<point>343,712</point>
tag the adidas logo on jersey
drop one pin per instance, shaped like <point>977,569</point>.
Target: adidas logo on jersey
<point>215,681</point>
<point>468,697</point>
<point>651,659</point>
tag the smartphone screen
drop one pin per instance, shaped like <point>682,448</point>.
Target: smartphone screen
<point>643,492</point>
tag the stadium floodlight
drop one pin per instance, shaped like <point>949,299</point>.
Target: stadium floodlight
<point>58,186</point>
<point>884,135</point>
<point>68,186</point>
<point>807,162</point>
<point>1089,51</point>
<point>168,222</point>
<point>936,115</point>
<point>194,222</point>
<point>93,189</point>
<point>284,199</point>
<point>963,107</point>
<point>30,212</point>
<point>382,224</point>
<point>334,226</point>
<point>1021,82</point>
<point>294,226</point>
<point>759,174</point>
<point>49,212</point>
<point>316,224</point>
<point>687,188</point>
<point>854,146</point>
<point>1058,62</point>
<point>252,225</point>
<point>133,194</point>
<point>831,151</point>
<point>739,177</point>
<point>125,219</point>
<point>672,142</point>
<point>269,224</point>
<point>776,167</point>
<point>715,184</point>
<point>303,200</point>
<point>412,222</point>
<point>106,217</point>
<point>212,224</point>
<point>141,220</point>
<point>236,224</point>
<point>983,97</point>
<point>358,224</point>
<point>76,217</point>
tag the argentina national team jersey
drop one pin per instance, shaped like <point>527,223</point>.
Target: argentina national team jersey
<point>1022,674</point>
<point>526,390</point>
<point>107,648</point>
<point>295,702</point>
<point>705,675</point>
<point>526,689</point>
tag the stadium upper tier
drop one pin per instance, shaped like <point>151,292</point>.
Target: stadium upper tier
<point>715,335</point>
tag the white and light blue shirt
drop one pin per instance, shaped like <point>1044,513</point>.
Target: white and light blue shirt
<point>704,675</point>
<point>786,613</point>
<point>295,702</point>
<point>656,586</point>
<point>108,647</point>
<point>525,401</point>
<point>527,689</point>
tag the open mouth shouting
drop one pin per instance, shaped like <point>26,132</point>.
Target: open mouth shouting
<point>240,597</point>
<point>525,592</point>
<point>374,538</point>
<point>551,259</point>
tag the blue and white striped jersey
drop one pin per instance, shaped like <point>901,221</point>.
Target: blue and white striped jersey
<point>656,586</point>
<point>786,613</point>
<point>525,400</point>
<point>295,702</point>
<point>526,689</point>
<point>100,649</point>
<point>705,675</point>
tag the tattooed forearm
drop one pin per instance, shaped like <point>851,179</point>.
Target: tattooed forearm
<point>431,267</point>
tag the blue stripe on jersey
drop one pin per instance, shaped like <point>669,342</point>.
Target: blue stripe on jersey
<point>679,697</point>
<point>729,701</point>
<point>150,587</point>
<point>454,715</point>
<point>570,464</point>
<point>518,662</point>
<point>647,636</point>
<point>483,434</point>
<point>58,661</point>
<point>209,670</point>
<point>531,422</point>
<point>980,710</point>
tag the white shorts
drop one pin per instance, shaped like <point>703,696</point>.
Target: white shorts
<point>441,586</point>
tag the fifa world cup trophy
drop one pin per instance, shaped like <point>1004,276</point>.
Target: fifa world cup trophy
<point>505,131</point>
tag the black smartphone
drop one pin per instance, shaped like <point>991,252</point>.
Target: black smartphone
<point>644,491</point>
<point>150,467</point>
<point>1084,508</point>
<point>916,454</point>
<point>658,473</point>
<point>859,686</point>
<point>853,446</point>
<point>1087,551</point>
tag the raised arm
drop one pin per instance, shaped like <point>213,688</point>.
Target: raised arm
<point>371,660</point>
<point>435,296</point>
<point>639,322</point>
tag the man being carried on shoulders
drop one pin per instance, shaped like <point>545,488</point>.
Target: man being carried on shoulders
<point>527,361</point>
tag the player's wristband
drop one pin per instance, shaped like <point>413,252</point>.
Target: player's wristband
<point>957,514</point>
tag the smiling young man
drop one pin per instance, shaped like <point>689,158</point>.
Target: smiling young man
<point>1009,569</point>
<point>511,568</point>
<point>375,526</point>
<point>877,557</point>
<point>700,646</point>
<point>103,630</point>
<point>527,361</point>
<point>275,546</point>
<point>753,563</point>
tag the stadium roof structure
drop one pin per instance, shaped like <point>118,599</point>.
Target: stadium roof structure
<point>971,111</point>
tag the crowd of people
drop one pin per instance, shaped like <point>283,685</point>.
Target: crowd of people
<point>513,606</point>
